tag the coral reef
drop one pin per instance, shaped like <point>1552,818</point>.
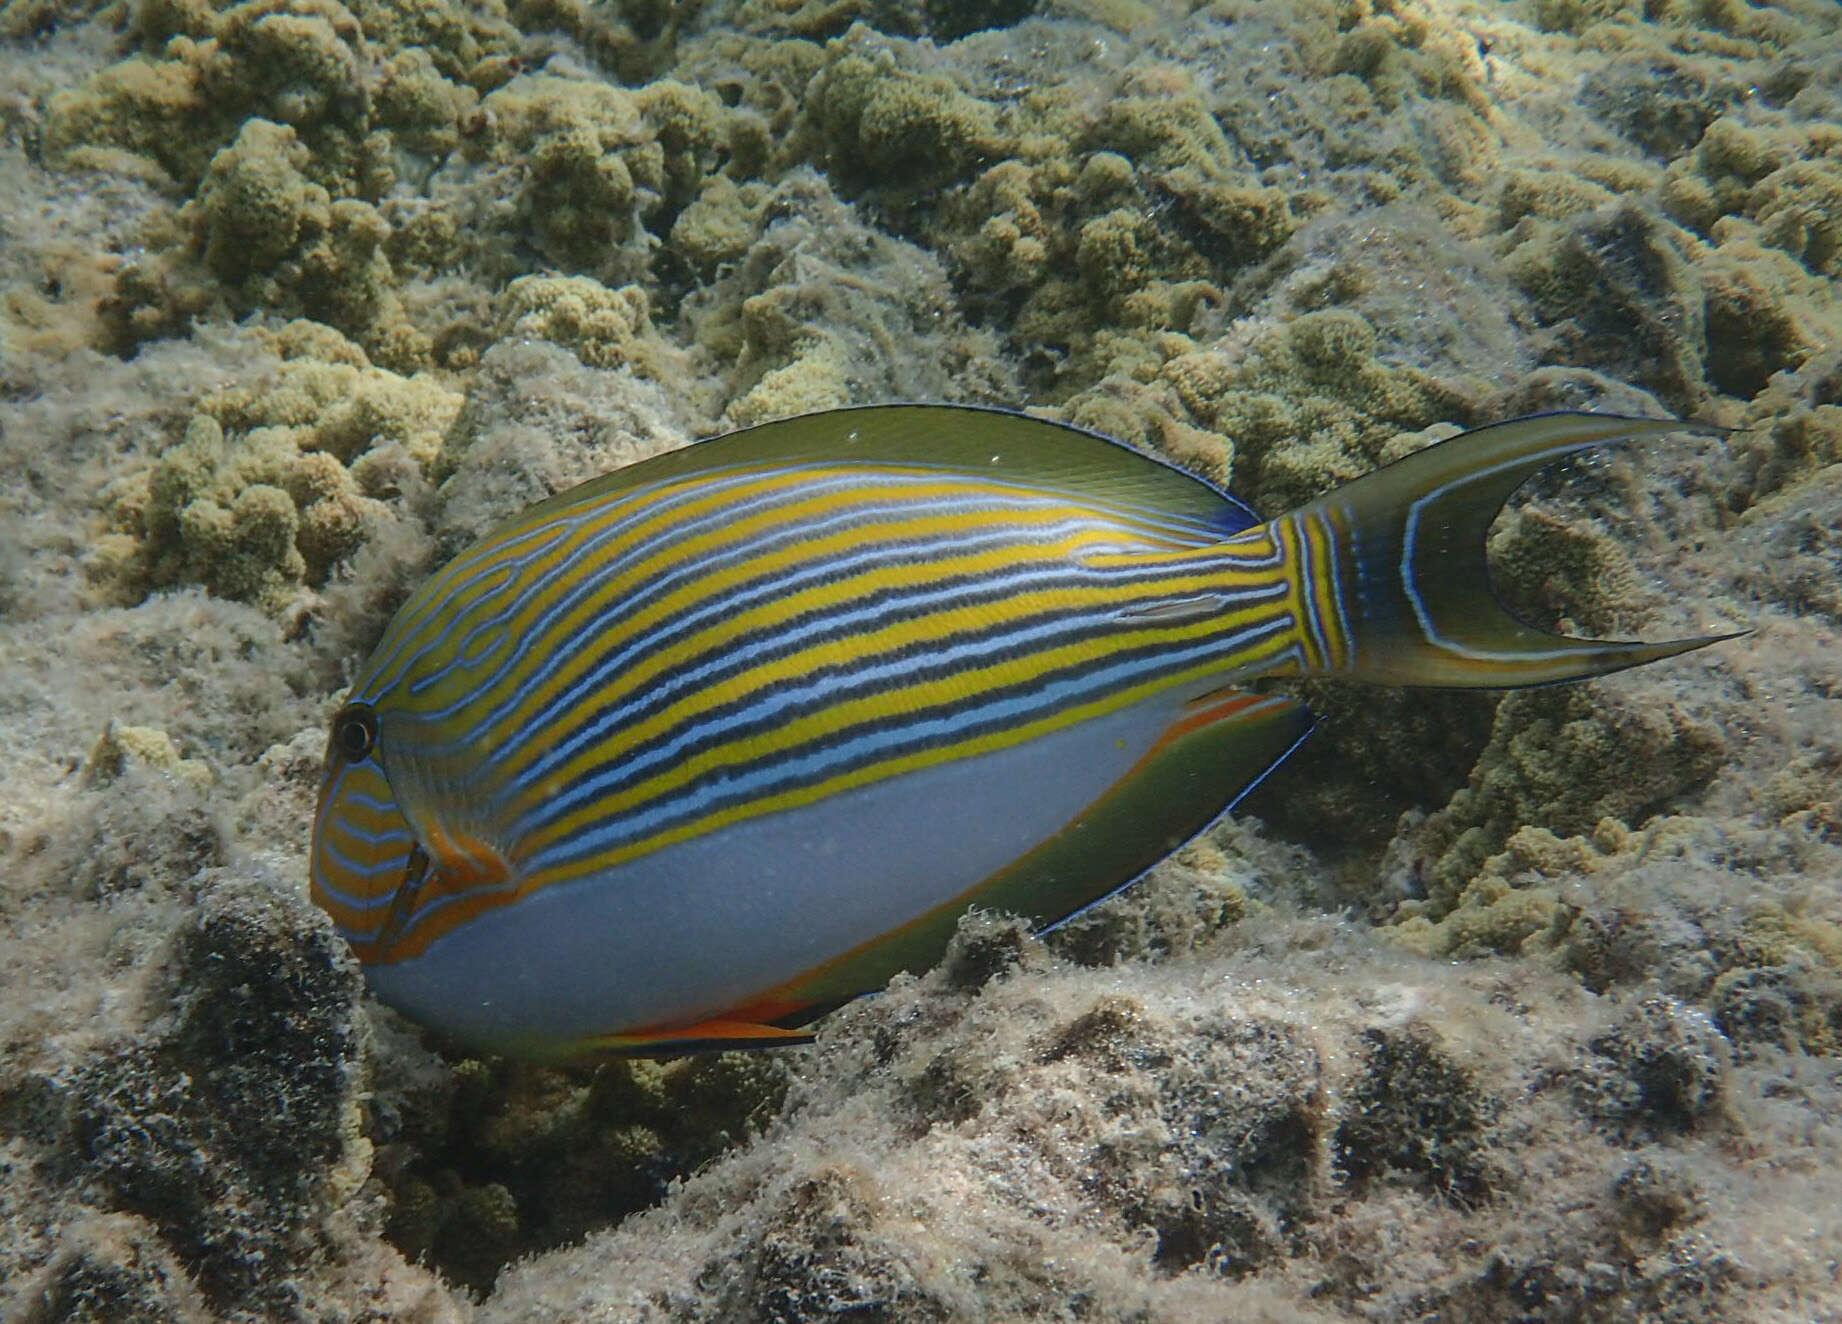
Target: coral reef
<point>1644,755</point>
<point>1159,1150</point>
<point>489,1162</point>
<point>604,327</point>
<point>1494,1009</point>
<point>269,486</point>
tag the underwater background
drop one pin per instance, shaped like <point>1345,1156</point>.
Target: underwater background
<point>1514,1008</point>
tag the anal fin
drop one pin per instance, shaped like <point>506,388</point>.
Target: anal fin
<point>739,1029</point>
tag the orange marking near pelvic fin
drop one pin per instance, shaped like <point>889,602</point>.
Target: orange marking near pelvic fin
<point>1205,711</point>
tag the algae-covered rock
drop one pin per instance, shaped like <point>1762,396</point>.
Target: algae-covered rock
<point>286,127</point>
<point>1309,404</point>
<point>1662,1067</point>
<point>1793,541</point>
<point>818,311</point>
<point>1551,570</point>
<point>256,205</point>
<point>1795,1005</point>
<point>1661,102</point>
<point>1060,211</point>
<point>122,747</point>
<point>1375,756</point>
<point>1214,1153</point>
<point>115,1267</point>
<point>943,20</point>
<point>605,328</point>
<point>1280,244</point>
<point>265,492</point>
<point>255,1006</point>
<point>1567,759</point>
<point>282,243</point>
<point>295,62</point>
<point>907,132</point>
<point>1416,1111</point>
<point>424,110</point>
<point>1176,909</point>
<point>1619,287</point>
<point>539,420</point>
<point>1783,181</point>
<point>146,107</point>
<point>229,1129</point>
<point>458,40</point>
<point>499,1160</point>
<point>1764,315</point>
<point>720,223</point>
<point>597,171</point>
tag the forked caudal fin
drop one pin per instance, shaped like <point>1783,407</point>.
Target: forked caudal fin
<point>1394,563</point>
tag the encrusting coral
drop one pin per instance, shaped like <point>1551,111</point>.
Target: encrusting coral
<point>269,488</point>
<point>604,328</point>
<point>1532,772</point>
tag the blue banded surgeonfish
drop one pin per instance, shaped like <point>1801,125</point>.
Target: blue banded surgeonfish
<point>701,749</point>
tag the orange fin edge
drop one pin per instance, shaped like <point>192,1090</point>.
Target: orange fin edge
<point>717,1033</point>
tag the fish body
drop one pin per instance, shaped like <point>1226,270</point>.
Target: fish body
<point>692,753</point>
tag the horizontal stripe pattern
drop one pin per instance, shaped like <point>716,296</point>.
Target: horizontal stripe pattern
<point>611,676</point>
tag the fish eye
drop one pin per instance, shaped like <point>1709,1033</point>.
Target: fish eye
<point>355,731</point>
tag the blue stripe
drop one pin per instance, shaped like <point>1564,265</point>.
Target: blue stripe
<point>769,779</point>
<point>1409,584</point>
<point>572,644</point>
<point>647,510</point>
<point>359,870</point>
<point>1334,536</point>
<point>439,595</point>
<point>1307,583</point>
<point>911,600</point>
<point>1194,532</point>
<point>833,689</point>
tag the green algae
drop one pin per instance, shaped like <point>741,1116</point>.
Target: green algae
<point>265,491</point>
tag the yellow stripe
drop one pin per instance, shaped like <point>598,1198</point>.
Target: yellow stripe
<point>425,928</point>
<point>709,639</point>
<point>809,511</point>
<point>805,795</point>
<point>1326,608</point>
<point>457,588</point>
<point>815,727</point>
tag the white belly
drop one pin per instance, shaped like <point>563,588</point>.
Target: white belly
<point>710,924</point>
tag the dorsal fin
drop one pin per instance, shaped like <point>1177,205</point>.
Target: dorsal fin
<point>966,438</point>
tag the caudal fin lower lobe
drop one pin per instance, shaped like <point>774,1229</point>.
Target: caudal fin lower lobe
<point>1393,564</point>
